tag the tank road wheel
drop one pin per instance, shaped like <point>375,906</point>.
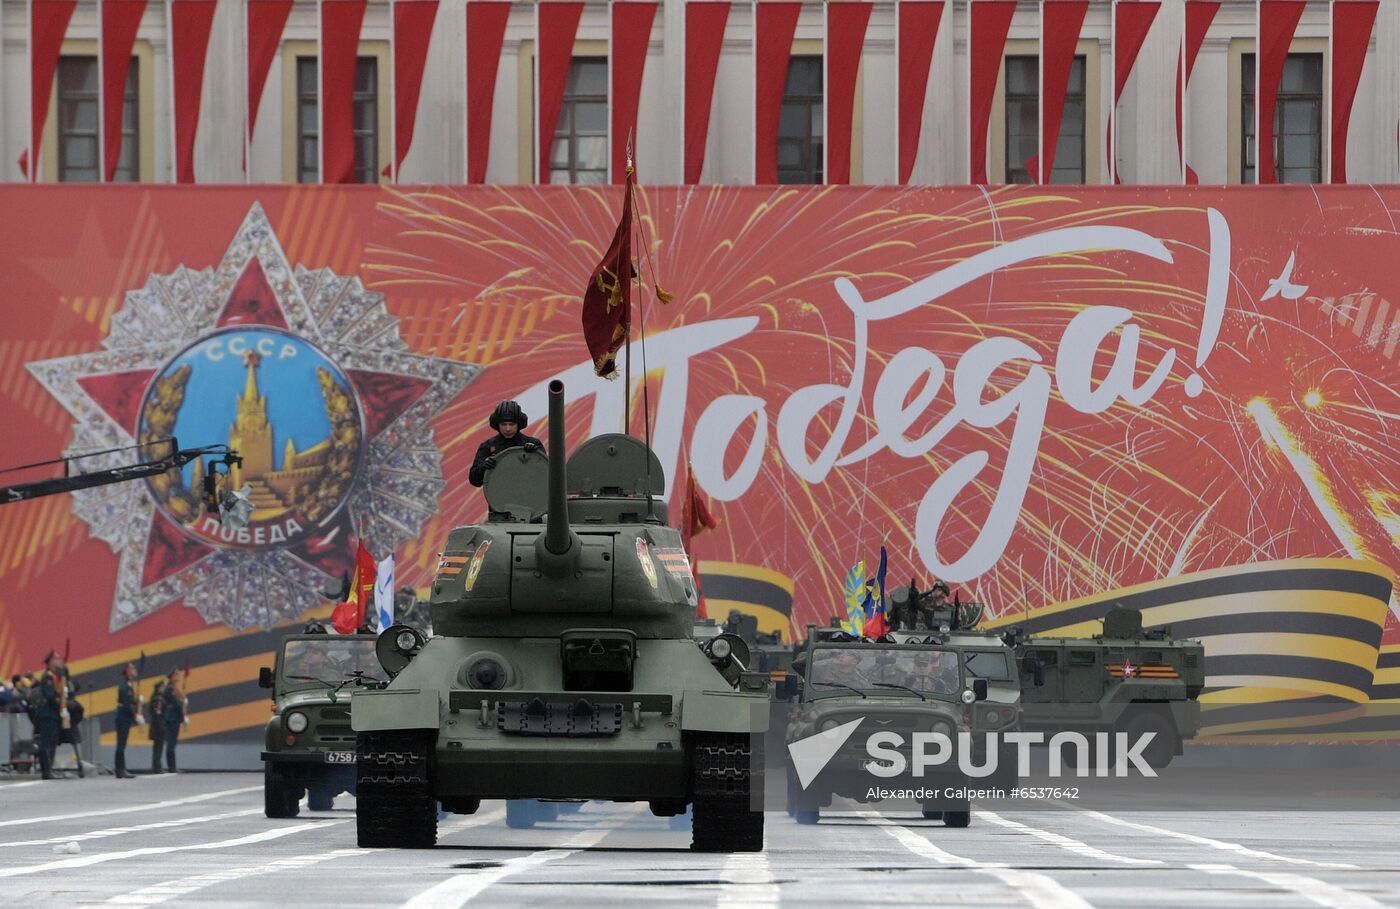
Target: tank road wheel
<point>394,803</point>
<point>807,818</point>
<point>1160,751</point>
<point>933,814</point>
<point>722,782</point>
<point>957,818</point>
<point>520,814</point>
<point>279,798</point>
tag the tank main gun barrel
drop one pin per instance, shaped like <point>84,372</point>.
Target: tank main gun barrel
<point>558,538</point>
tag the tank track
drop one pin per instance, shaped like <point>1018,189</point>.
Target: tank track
<point>722,783</point>
<point>394,805</point>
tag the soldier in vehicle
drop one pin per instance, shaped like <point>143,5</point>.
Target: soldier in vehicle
<point>926,674</point>
<point>509,422</point>
<point>313,663</point>
<point>842,667</point>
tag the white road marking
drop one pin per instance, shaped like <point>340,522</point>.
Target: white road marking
<point>21,785</point>
<point>103,857</point>
<point>148,806</point>
<point>461,888</point>
<point>1039,890</point>
<point>135,828</point>
<point>169,890</point>
<point>1064,842</point>
<point>1223,845</point>
<point>1320,892</point>
<point>748,882</point>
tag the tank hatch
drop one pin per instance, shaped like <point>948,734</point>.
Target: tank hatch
<point>615,479</point>
<point>518,488</point>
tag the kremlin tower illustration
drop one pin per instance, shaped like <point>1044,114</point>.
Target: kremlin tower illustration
<point>274,491</point>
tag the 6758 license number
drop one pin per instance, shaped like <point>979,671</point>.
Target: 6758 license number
<point>340,757</point>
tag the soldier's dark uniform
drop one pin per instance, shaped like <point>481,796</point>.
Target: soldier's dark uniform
<point>505,412</point>
<point>155,723</point>
<point>49,721</point>
<point>126,718</point>
<point>173,712</point>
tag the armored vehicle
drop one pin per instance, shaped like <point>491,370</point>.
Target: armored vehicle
<point>562,663</point>
<point>919,686</point>
<point>1123,680</point>
<point>310,747</point>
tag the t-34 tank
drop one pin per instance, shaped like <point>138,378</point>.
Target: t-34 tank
<point>562,663</point>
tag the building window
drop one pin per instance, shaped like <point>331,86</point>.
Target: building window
<point>366,120</point>
<point>800,123</point>
<point>78,142</point>
<point>1297,120</point>
<point>580,150</point>
<point>1023,122</point>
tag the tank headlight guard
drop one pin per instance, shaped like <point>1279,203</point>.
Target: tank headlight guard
<point>720,648</point>
<point>405,641</point>
<point>296,721</point>
<point>486,673</point>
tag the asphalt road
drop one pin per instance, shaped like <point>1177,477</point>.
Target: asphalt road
<point>202,838</point>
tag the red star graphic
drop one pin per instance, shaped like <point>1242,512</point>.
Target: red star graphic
<point>1129,670</point>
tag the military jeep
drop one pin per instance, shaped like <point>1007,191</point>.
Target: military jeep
<point>310,747</point>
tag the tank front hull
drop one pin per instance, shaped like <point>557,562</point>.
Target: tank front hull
<point>616,774</point>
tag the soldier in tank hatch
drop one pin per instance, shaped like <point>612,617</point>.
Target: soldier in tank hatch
<point>508,420</point>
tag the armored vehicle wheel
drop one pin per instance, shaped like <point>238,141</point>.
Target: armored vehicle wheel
<point>957,818</point>
<point>279,797</point>
<point>570,807</point>
<point>520,814</point>
<point>933,814</point>
<point>547,811</point>
<point>394,803</point>
<point>1160,751</point>
<point>806,818</point>
<point>721,785</point>
<point>318,799</point>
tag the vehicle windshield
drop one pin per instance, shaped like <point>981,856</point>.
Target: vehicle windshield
<point>926,671</point>
<point>306,664</point>
<point>987,664</point>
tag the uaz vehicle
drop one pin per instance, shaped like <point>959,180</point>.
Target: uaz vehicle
<point>310,746</point>
<point>906,689</point>
<point>562,663</point>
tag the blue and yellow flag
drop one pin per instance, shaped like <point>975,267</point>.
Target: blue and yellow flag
<point>857,593</point>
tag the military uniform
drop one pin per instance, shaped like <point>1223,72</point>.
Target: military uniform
<point>126,718</point>
<point>48,719</point>
<point>505,412</point>
<point>173,712</point>
<point>155,723</point>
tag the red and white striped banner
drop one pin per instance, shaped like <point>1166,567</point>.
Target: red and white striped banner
<point>264,24</point>
<point>631,33</point>
<point>486,34</point>
<point>704,38</point>
<point>1131,23</point>
<point>1199,15</point>
<point>1278,20</point>
<point>775,24</point>
<point>1352,23</point>
<point>990,21</point>
<point>917,27</point>
<point>1060,24</point>
<point>190,24</point>
<point>47,24</point>
<point>119,21</point>
<point>412,25</point>
<point>846,23</point>
<point>339,53</point>
<point>557,27</point>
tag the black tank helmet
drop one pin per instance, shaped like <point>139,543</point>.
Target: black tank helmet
<point>508,412</point>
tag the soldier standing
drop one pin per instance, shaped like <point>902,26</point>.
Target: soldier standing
<point>126,717</point>
<point>508,420</point>
<point>49,710</point>
<point>174,705</point>
<point>155,722</point>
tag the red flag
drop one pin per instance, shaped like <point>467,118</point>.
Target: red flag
<point>695,518</point>
<point>607,301</point>
<point>351,614</point>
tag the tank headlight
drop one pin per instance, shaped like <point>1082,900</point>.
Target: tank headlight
<point>296,721</point>
<point>967,696</point>
<point>406,640</point>
<point>943,727</point>
<point>720,649</point>
<point>943,629</point>
<point>486,673</point>
<point>992,717</point>
<point>829,724</point>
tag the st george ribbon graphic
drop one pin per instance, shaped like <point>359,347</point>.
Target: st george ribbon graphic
<point>305,374</point>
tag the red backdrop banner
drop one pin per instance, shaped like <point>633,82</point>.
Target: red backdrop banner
<point>918,32</point>
<point>776,24</point>
<point>340,43</point>
<point>120,20</point>
<point>704,38</point>
<point>845,39</point>
<point>190,23</point>
<point>1039,398</point>
<point>558,24</point>
<point>266,20</point>
<point>631,33</point>
<point>413,31</point>
<point>486,34</point>
<point>48,23</point>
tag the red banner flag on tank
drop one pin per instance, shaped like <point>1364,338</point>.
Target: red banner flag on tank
<point>607,301</point>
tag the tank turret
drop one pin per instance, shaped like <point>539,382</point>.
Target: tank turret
<point>563,663</point>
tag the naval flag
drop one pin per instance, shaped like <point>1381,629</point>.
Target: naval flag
<point>384,591</point>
